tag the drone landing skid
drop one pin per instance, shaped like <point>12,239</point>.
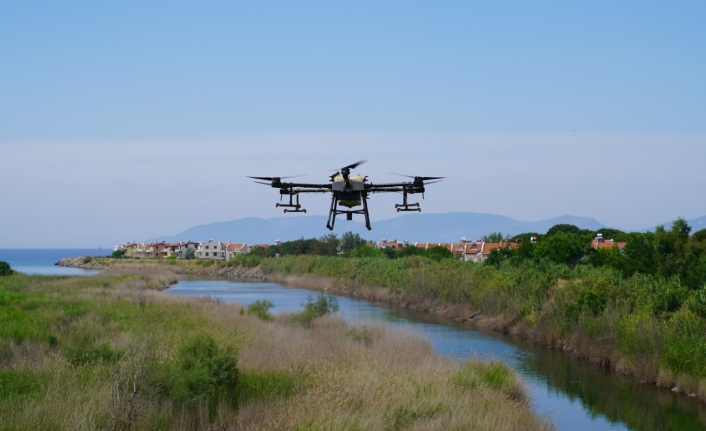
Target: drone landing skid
<point>405,206</point>
<point>297,208</point>
<point>334,211</point>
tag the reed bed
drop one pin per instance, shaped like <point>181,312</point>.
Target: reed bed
<point>111,352</point>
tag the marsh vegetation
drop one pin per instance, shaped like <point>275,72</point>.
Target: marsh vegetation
<point>112,352</point>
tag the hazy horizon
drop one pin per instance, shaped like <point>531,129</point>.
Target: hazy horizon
<point>129,120</point>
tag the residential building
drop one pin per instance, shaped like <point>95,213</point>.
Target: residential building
<point>233,250</point>
<point>211,250</point>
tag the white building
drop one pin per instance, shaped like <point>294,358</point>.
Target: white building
<point>211,250</point>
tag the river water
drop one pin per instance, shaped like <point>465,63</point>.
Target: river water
<point>574,394</point>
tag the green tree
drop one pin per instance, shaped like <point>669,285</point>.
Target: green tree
<point>562,247</point>
<point>438,253</point>
<point>350,240</point>
<point>5,268</point>
<point>567,228</point>
<point>190,253</point>
<point>367,250</point>
<point>493,237</point>
<point>118,254</point>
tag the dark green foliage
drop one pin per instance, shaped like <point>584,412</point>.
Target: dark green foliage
<point>587,302</point>
<point>314,308</point>
<point>82,355</point>
<point>5,268</point>
<point>203,373</point>
<point>20,383</point>
<point>566,228</point>
<point>349,241</point>
<point>190,253</point>
<point>260,309</point>
<point>118,254</point>
<point>438,253</point>
<point>563,247</point>
<point>264,385</point>
<point>366,250</point>
<point>493,237</point>
<point>87,258</point>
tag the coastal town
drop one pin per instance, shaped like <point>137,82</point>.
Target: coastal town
<point>466,250</point>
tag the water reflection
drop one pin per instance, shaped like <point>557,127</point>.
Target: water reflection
<point>576,395</point>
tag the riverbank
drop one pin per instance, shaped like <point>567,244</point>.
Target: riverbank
<point>630,325</point>
<point>111,351</point>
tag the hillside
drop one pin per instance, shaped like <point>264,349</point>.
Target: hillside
<point>444,227</point>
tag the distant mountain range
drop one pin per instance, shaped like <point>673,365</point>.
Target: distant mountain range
<point>446,227</point>
<point>696,225</point>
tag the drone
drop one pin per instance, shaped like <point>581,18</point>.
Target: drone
<point>348,191</point>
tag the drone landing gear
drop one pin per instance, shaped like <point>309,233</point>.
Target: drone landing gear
<point>405,206</point>
<point>297,208</point>
<point>334,211</point>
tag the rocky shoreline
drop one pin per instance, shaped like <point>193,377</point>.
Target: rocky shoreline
<point>240,272</point>
<point>79,262</point>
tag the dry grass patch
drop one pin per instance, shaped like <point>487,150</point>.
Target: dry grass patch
<point>121,359</point>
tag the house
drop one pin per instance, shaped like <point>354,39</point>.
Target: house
<point>233,250</point>
<point>211,250</point>
<point>184,245</point>
<point>158,249</point>
<point>129,249</point>
<point>479,250</point>
<point>599,243</point>
<point>394,244</point>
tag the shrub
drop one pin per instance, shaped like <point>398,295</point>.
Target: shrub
<point>204,373</point>
<point>118,254</point>
<point>264,385</point>
<point>260,309</point>
<point>313,308</point>
<point>87,258</point>
<point>89,355</point>
<point>5,268</point>
<point>190,253</point>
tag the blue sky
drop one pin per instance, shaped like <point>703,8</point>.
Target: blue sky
<point>532,109</point>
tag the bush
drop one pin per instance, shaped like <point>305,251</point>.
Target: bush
<point>5,268</point>
<point>118,254</point>
<point>190,253</point>
<point>204,373</point>
<point>260,309</point>
<point>314,308</point>
<point>87,258</point>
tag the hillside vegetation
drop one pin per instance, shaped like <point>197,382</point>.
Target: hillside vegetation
<point>110,352</point>
<point>642,311</point>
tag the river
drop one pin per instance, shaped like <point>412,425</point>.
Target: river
<point>574,394</point>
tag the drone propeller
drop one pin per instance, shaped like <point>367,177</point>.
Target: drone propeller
<point>420,178</point>
<point>432,182</point>
<point>355,165</point>
<point>262,182</point>
<point>275,178</point>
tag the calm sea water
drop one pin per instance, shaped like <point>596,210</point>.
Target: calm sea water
<point>41,260</point>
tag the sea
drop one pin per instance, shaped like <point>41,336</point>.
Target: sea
<point>41,261</point>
